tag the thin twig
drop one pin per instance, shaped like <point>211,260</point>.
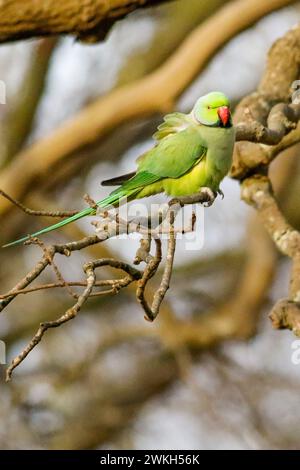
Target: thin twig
<point>165,281</point>
<point>59,214</point>
<point>57,272</point>
<point>89,269</point>
<point>150,270</point>
<point>54,285</point>
<point>68,315</point>
<point>153,310</point>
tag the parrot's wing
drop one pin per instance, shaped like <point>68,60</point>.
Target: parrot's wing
<point>173,123</point>
<point>176,155</point>
<point>171,158</point>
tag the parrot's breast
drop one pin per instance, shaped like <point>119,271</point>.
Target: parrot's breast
<point>187,184</point>
<point>209,172</point>
<point>220,143</point>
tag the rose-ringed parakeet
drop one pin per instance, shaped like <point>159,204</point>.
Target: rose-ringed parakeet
<point>192,151</point>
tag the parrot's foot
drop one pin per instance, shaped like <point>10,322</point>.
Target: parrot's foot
<point>211,196</point>
<point>206,196</point>
<point>221,193</point>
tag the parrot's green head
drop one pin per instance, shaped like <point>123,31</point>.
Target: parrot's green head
<point>213,110</point>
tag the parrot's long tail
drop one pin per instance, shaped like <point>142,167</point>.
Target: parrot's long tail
<point>113,199</point>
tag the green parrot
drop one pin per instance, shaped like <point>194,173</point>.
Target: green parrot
<point>192,151</point>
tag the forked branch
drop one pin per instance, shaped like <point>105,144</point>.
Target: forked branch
<point>109,225</point>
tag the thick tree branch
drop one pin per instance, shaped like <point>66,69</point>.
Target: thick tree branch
<point>257,191</point>
<point>281,120</point>
<point>87,20</point>
<point>267,115</point>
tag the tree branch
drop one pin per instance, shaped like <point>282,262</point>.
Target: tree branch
<point>257,191</point>
<point>109,227</point>
<point>26,210</point>
<point>266,116</point>
<point>87,20</point>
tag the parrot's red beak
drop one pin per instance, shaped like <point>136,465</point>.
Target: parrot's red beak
<point>224,114</point>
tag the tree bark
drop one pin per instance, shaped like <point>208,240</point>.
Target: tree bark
<point>87,20</point>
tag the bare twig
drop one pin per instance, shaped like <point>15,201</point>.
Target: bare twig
<point>50,256</point>
<point>111,225</point>
<point>60,214</point>
<point>152,266</point>
<point>149,272</point>
<point>54,285</point>
<point>165,281</point>
<point>89,269</point>
<point>71,313</point>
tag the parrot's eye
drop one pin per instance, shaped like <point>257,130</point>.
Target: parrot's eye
<point>208,107</point>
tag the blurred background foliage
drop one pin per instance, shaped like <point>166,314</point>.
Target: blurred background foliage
<point>107,380</point>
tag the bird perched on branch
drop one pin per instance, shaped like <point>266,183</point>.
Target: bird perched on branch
<point>192,151</point>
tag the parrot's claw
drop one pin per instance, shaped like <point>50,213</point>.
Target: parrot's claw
<point>221,193</point>
<point>211,196</point>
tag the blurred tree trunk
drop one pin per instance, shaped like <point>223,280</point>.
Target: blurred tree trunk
<point>18,121</point>
<point>173,22</point>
